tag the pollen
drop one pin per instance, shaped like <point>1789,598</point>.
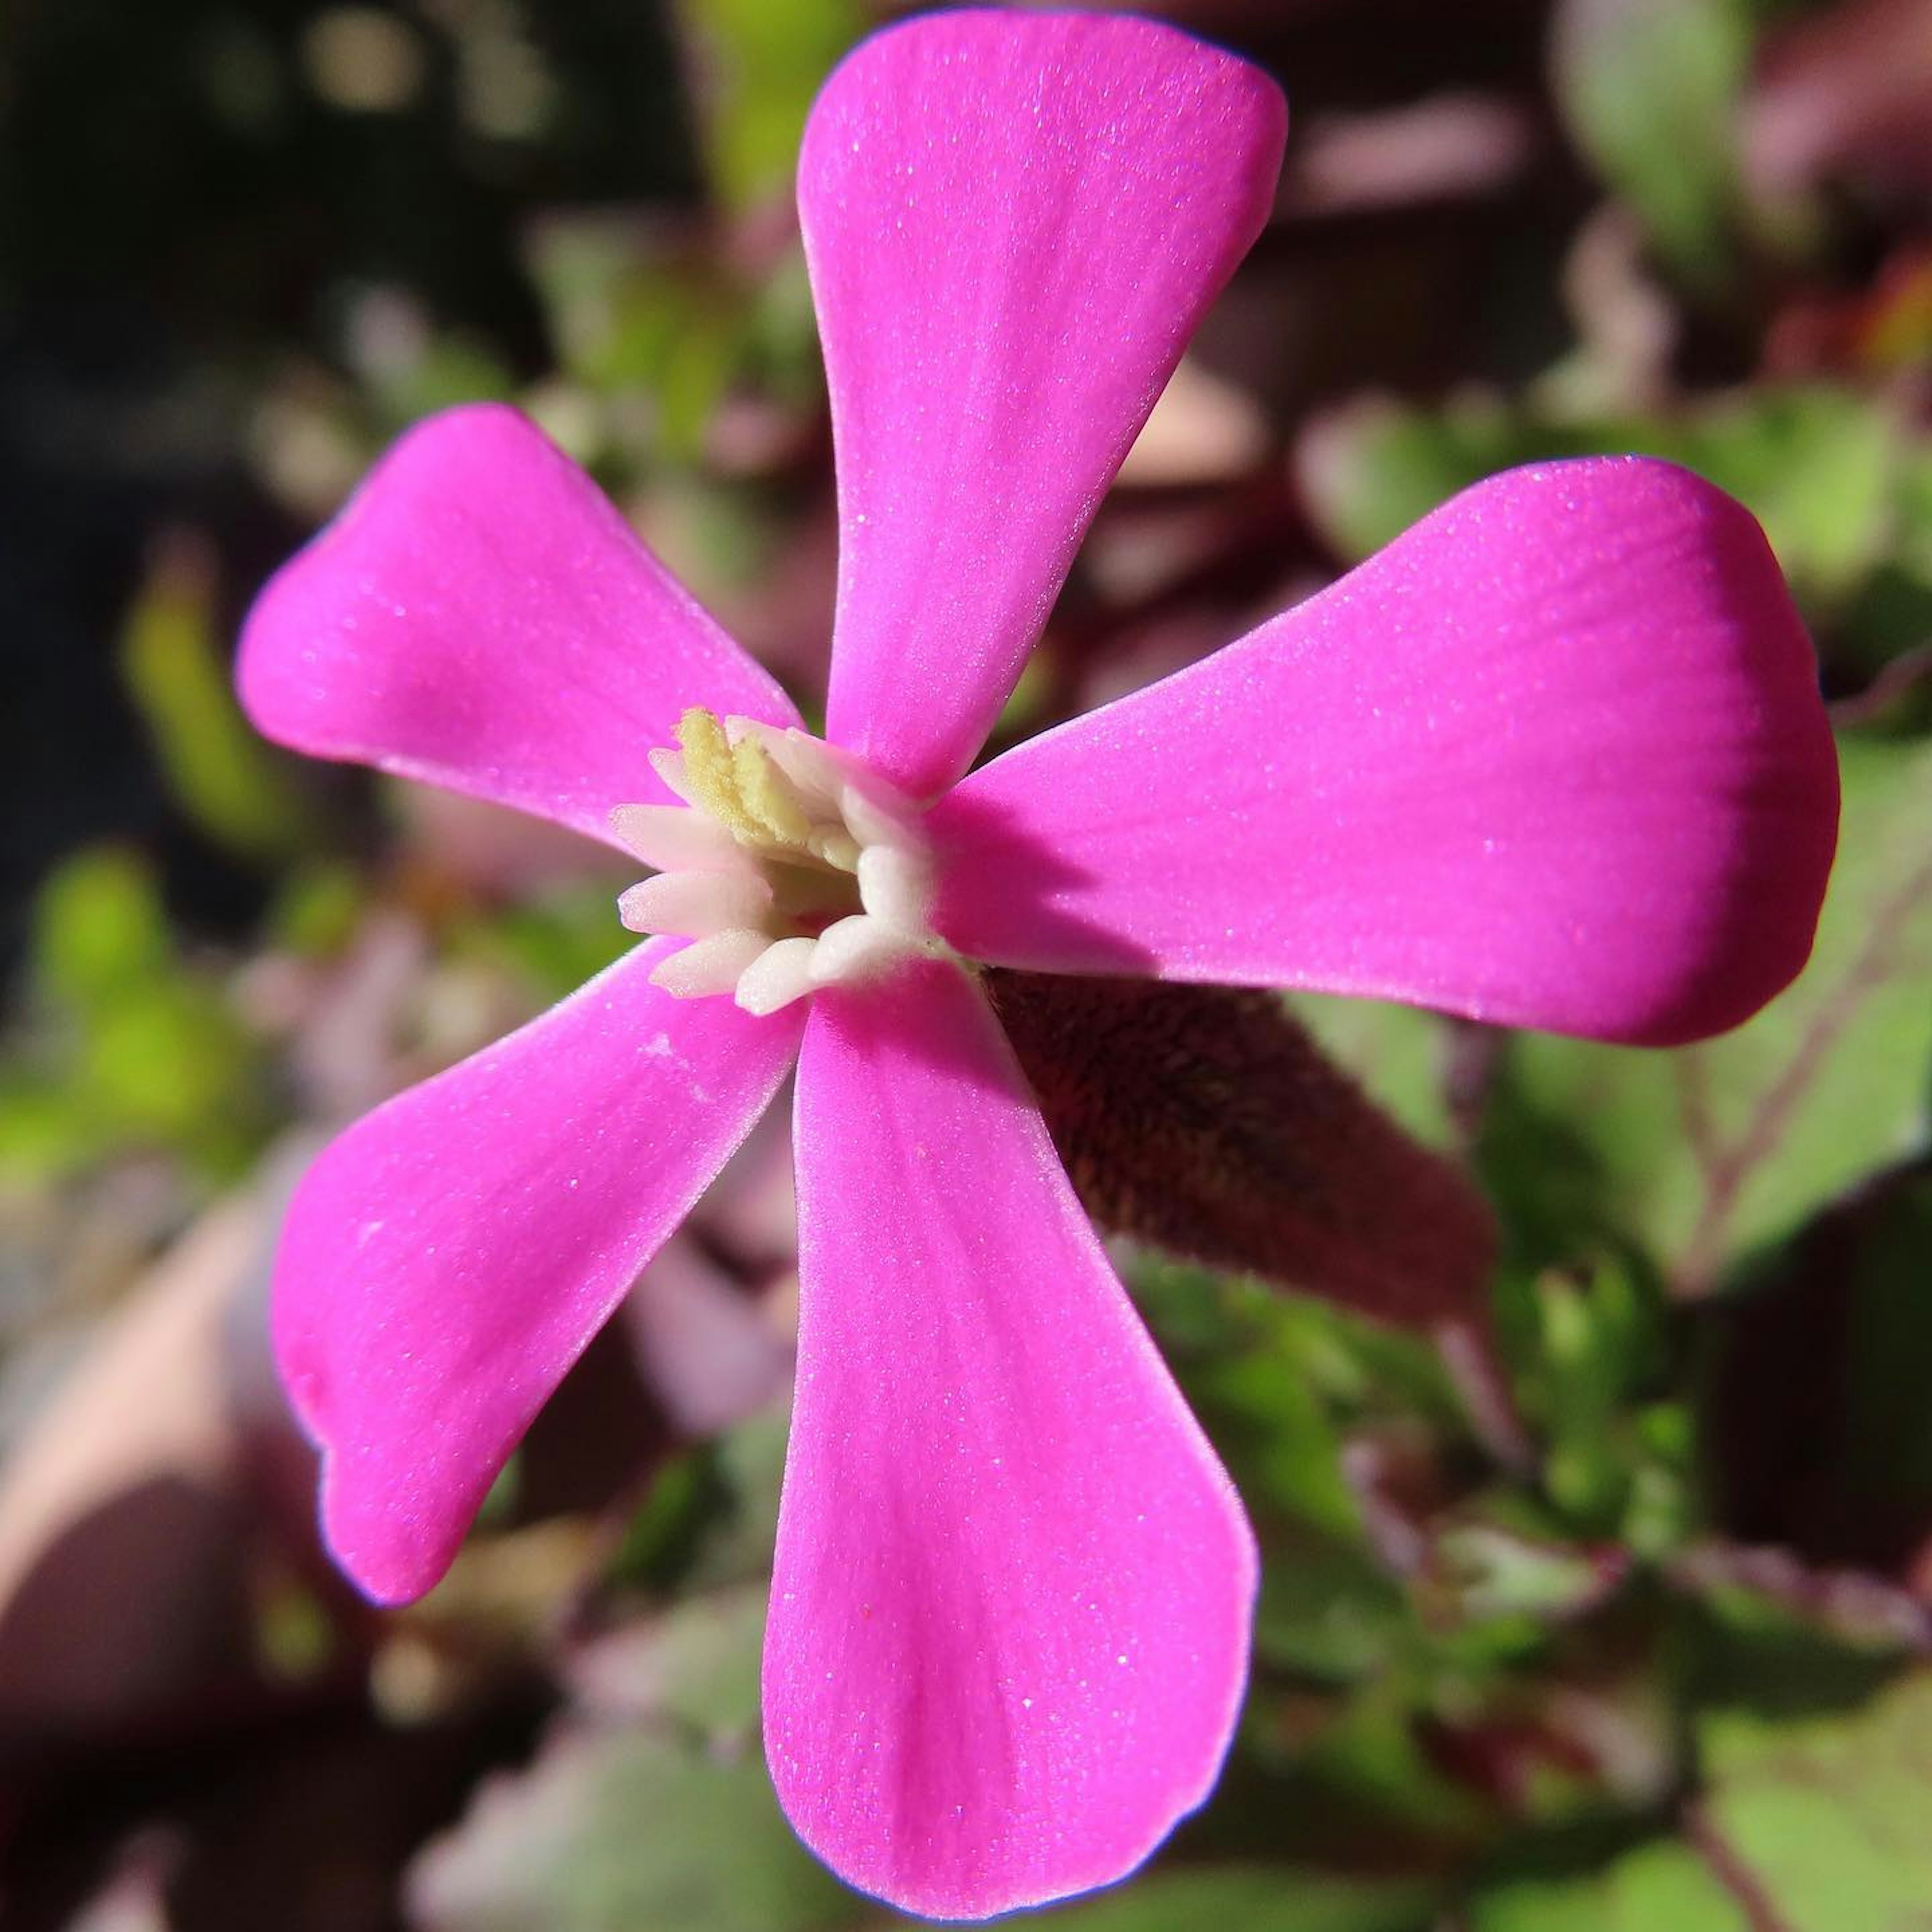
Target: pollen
<point>788,864</point>
<point>738,784</point>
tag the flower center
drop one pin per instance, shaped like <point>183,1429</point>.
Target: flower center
<point>789,866</point>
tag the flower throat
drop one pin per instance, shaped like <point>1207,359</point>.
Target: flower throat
<point>789,865</point>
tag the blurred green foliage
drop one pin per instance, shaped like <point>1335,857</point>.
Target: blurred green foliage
<point>176,665</point>
<point>762,65</point>
<point>132,1046</point>
<point>1833,474</point>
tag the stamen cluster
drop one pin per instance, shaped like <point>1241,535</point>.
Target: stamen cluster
<point>789,865</point>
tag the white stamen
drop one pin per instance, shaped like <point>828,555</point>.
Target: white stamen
<point>870,822</point>
<point>694,905</point>
<point>895,885</point>
<point>673,839</point>
<point>780,974</point>
<point>712,965</point>
<point>858,948</point>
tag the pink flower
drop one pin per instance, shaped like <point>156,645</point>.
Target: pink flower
<point>1554,758</point>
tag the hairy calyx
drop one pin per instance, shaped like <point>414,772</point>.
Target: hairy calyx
<point>789,866</point>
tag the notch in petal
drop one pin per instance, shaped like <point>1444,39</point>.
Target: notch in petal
<point>1009,1620</point>
<point>479,616</point>
<point>1555,757</point>
<point>1014,224</point>
<point>447,1259</point>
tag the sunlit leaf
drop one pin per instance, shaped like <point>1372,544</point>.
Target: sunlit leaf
<point>1818,465</point>
<point>1649,89</point>
<point>129,1048</point>
<point>1711,1152</point>
<point>1823,468</point>
<point>224,776</point>
<point>1661,1887</point>
<point>759,66</point>
<point>99,929</point>
<point>1827,1814</point>
<point>632,1830</point>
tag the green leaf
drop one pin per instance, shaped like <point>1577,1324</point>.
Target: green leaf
<point>1827,1814</point>
<point>317,910</point>
<point>135,1050</point>
<point>223,776</point>
<point>1278,1379</point>
<point>664,1823</point>
<point>1371,469</point>
<point>1893,610</point>
<point>762,66</point>
<point>447,368</point>
<point>634,313</point>
<point>700,1661</point>
<point>1818,465</point>
<point>1649,90</point>
<point>1712,1152</point>
<point>169,1066</point>
<point>44,1134</point>
<point>711,1516</point>
<point>100,930</point>
<point>1824,468</point>
<point>635,1830</point>
<point>1493,1572</point>
<point>1328,1611</point>
<point>1661,1887</point>
<point>1280,1898</point>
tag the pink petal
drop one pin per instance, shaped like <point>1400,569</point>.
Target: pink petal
<point>1554,758</point>
<point>480,616</point>
<point>1014,224</point>
<point>1010,1621</point>
<point>447,1258</point>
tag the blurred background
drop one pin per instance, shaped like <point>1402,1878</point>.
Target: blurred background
<point>1663,1662</point>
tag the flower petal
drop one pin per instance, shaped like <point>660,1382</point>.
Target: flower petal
<point>480,616</point>
<point>447,1258</point>
<point>1013,225</point>
<point>1554,758</point>
<point>1009,1620</point>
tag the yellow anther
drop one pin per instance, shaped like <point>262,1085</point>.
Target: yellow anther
<point>766,796</point>
<point>711,771</point>
<point>742,786</point>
